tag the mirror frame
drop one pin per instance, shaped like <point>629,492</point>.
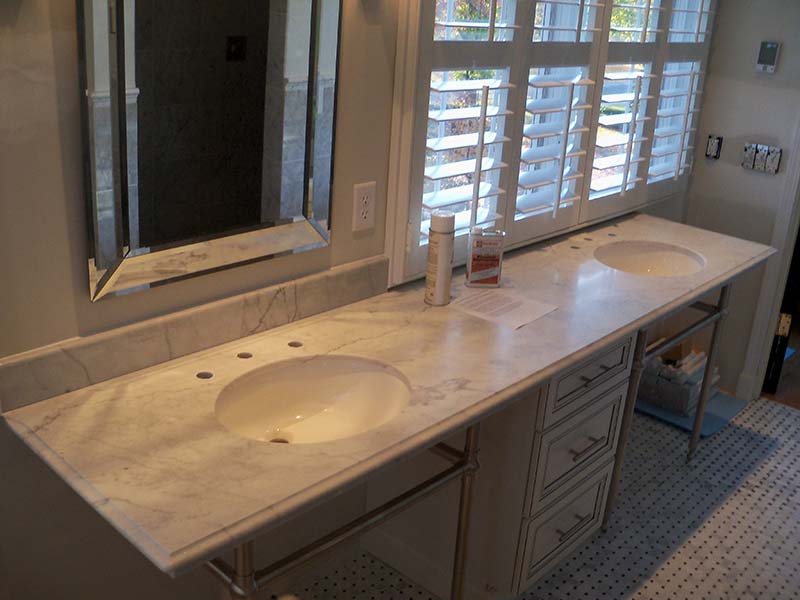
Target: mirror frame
<point>141,268</point>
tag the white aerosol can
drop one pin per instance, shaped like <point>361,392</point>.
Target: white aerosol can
<point>439,273</point>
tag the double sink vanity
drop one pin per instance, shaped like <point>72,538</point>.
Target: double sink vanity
<point>198,456</point>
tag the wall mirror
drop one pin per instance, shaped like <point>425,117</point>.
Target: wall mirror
<point>209,131</point>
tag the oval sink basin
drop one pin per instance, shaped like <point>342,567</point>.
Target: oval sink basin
<point>650,258</point>
<point>313,399</point>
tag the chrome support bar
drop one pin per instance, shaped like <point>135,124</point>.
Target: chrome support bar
<point>627,420</point>
<point>243,581</point>
<point>447,452</point>
<point>464,506</point>
<point>668,344</point>
<point>716,316</point>
<point>705,387</point>
<point>703,306</point>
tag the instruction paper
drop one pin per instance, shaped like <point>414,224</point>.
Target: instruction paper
<point>501,306</point>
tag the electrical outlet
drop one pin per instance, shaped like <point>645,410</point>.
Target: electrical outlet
<point>364,206</point>
<point>714,146</point>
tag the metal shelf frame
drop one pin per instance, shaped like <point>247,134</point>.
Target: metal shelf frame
<point>715,317</point>
<point>243,580</point>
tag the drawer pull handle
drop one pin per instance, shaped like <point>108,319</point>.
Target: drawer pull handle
<point>606,368</point>
<point>578,455</point>
<point>565,535</point>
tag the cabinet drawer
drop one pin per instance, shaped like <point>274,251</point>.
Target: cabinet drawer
<point>580,385</point>
<point>563,452</point>
<point>549,537</point>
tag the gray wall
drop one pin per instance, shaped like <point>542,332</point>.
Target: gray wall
<point>743,105</point>
<point>43,234</point>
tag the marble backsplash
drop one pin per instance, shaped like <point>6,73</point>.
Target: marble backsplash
<point>79,362</point>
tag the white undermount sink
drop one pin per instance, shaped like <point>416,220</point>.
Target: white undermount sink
<point>312,399</point>
<point>650,258</point>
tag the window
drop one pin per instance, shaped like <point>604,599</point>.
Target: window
<point>536,116</point>
<point>678,106</point>
<point>553,143</point>
<point>468,20</point>
<point>565,21</point>
<point>634,21</point>
<point>618,144</point>
<point>464,146</point>
<point>690,21</point>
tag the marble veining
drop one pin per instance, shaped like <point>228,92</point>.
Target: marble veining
<point>146,450</point>
<point>76,363</point>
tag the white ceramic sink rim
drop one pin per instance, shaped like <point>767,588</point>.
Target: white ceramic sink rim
<point>312,399</point>
<point>645,257</point>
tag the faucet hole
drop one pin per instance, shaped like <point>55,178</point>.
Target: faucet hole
<point>244,355</point>
<point>295,344</point>
<point>612,235</point>
<point>279,440</point>
<point>205,375</point>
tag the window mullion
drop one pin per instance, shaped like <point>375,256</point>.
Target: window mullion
<point>564,144</point>
<point>492,19</point>
<point>687,109</point>
<point>631,135</point>
<point>476,184</point>
<point>579,28</point>
<point>646,23</point>
<point>597,67</point>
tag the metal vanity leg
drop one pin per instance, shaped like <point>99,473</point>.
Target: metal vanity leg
<point>243,581</point>
<point>627,420</point>
<point>465,503</point>
<point>711,359</point>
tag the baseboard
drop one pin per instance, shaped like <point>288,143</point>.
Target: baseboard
<point>747,387</point>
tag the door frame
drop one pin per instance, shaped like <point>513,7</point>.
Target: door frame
<point>773,284</point>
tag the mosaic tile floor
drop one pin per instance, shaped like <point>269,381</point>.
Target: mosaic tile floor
<point>725,526</point>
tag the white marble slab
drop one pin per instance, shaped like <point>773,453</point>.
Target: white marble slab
<point>146,451</point>
<point>76,363</point>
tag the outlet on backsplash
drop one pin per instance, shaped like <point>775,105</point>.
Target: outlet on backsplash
<point>364,206</point>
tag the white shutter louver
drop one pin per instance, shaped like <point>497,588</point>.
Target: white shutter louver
<point>474,20</point>
<point>566,20</point>
<point>623,108</point>
<point>678,106</point>
<point>690,21</point>
<point>553,139</point>
<point>466,121</point>
<point>634,20</point>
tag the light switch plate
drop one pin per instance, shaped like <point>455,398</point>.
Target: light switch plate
<point>749,155</point>
<point>760,162</point>
<point>773,160</point>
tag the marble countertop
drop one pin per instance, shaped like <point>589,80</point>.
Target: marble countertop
<point>147,452</point>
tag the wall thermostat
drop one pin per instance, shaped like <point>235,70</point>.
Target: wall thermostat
<point>768,57</point>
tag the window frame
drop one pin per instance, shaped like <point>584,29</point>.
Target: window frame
<point>419,54</point>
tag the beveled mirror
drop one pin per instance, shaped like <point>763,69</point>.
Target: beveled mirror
<point>209,130</point>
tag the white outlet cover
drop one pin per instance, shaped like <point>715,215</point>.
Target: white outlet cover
<point>364,206</point>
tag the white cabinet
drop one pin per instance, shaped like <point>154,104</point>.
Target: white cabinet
<point>546,462</point>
